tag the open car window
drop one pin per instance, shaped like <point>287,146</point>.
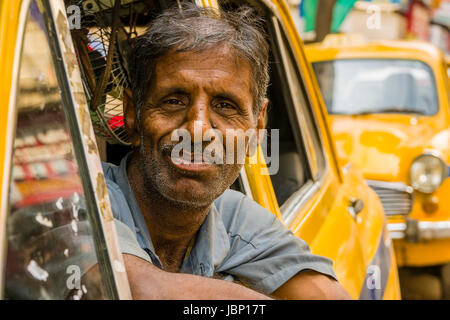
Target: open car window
<point>301,158</point>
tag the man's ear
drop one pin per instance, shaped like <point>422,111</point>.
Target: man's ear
<point>131,122</point>
<point>261,124</point>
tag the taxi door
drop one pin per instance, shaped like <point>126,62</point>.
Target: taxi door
<point>57,231</point>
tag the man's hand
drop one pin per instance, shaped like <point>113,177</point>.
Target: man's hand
<point>311,285</point>
<point>149,282</point>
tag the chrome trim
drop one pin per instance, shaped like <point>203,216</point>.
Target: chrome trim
<point>397,186</point>
<point>396,230</point>
<point>397,198</point>
<point>425,230</point>
<point>297,200</point>
<point>434,229</point>
<point>431,152</point>
<point>347,167</point>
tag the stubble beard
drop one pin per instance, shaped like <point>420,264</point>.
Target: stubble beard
<point>156,182</point>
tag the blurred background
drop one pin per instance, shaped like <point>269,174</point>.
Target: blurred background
<point>386,117</point>
<point>427,20</point>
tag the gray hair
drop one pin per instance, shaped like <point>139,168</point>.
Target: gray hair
<point>193,28</point>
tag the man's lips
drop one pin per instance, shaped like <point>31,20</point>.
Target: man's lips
<point>188,163</point>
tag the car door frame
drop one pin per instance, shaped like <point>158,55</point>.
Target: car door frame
<point>111,262</point>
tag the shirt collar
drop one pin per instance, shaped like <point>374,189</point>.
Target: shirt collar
<point>212,242</point>
<point>211,246</point>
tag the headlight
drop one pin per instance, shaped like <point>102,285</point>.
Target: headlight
<point>427,173</point>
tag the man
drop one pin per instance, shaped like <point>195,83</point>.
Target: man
<point>177,220</point>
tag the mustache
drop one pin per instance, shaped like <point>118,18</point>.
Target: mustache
<point>166,148</point>
<point>194,152</point>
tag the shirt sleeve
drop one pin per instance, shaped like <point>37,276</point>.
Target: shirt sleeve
<point>128,243</point>
<point>263,252</point>
<point>123,219</point>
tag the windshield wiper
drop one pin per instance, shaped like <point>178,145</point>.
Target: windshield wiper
<point>390,110</point>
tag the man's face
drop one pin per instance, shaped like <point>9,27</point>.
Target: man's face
<point>207,90</point>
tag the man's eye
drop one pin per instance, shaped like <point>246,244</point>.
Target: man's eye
<point>225,105</point>
<point>173,102</point>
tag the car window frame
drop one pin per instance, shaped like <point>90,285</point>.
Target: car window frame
<point>114,279</point>
<point>299,198</point>
<point>93,171</point>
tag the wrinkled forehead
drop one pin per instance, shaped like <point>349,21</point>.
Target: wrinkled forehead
<point>214,66</point>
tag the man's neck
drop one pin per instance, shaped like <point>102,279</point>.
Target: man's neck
<point>171,226</point>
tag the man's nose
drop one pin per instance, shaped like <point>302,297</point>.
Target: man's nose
<point>198,119</point>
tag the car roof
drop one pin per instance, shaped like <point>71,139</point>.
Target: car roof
<point>347,46</point>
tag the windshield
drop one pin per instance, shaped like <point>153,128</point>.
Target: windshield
<point>364,86</point>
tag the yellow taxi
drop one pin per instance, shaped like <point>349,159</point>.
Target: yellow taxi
<point>389,114</point>
<point>447,61</point>
<point>55,131</point>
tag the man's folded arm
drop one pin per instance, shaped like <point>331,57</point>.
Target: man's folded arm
<point>150,282</point>
<point>269,257</point>
<point>311,285</point>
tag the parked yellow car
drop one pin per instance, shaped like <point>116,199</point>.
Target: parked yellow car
<point>389,114</point>
<point>54,203</point>
<point>447,61</point>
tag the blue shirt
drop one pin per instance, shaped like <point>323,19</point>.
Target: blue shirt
<point>239,239</point>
